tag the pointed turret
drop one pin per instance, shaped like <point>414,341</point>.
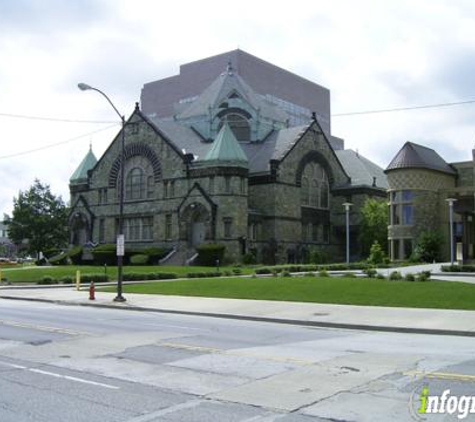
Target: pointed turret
<point>226,150</point>
<point>80,175</point>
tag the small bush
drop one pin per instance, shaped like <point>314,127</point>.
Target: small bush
<point>323,273</point>
<point>370,272</point>
<point>228,273</point>
<point>237,271</point>
<point>263,270</point>
<point>105,254</point>
<point>139,259</point>
<point>60,259</point>
<point>350,275</point>
<point>286,274</point>
<point>209,253</point>
<point>249,259</point>
<point>134,277</point>
<point>427,247</point>
<point>395,275</point>
<point>380,276</point>
<point>423,276</point>
<point>376,254</point>
<point>66,280</point>
<point>75,255</point>
<point>47,280</point>
<point>410,277</point>
<point>154,254</point>
<point>96,278</point>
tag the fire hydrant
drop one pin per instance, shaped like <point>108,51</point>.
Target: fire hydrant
<point>92,291</point>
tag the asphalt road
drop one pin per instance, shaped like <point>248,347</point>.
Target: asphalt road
<point>67,364</point>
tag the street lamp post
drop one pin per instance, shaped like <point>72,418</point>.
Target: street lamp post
<point>120,235</point>
<point>347,206</point>
<point>451,202</point>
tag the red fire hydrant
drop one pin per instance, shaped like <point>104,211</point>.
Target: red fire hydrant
<point>92,291</point>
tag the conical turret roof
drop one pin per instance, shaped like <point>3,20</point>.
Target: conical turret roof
<point>226,150</point>
<point>88,162</point>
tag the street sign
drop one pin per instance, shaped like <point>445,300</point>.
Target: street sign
<point>120,245</point>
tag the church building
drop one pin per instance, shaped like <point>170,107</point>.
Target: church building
<point>235,151</point>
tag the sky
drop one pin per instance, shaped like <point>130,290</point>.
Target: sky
<point>371,55</point>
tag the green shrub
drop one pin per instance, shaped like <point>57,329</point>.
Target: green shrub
<point>60,259</point>
<point>105,254</point>
<point>376,254</point>
<point>75,255</point>
<point>395,275</point>
<point>286,274</point>
<point>134,277</point>
<point>370,272</point>
<point>228,273</point>
<point>237,271</point>
<point>66,280</point>
<point>427,247</point>
<point>139,259</point>
<point>380,276</point>
<point>263,270</point>
<point>96,278</point>
<point>47,280</point>
<point>209,274</point>
<point>410,277</point>
<point>318,256</point>
<point>422,276</point>
<point>209,253</point>
<point>249,259</point>
<point>155,254</point>
<point>350,275</point>
<point>51,252</point>
<point>323,273</point>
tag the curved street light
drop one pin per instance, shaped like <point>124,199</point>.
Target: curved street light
<point>120,235</point>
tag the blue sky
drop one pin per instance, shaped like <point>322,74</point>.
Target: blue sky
<point>370,54</point>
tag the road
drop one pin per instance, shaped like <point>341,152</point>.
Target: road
<point>66,363</point>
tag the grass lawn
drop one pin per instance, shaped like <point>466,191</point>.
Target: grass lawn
<point>348,291</point>
<point>33,273</point>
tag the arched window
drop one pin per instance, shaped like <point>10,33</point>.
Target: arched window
<point>324,192</point>
<point>239,124</point>
<point>135,184</point>
<point>304,191</point>
<point>315,189</point>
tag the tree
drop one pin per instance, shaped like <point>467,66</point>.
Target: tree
<point>39,219</point>
<point>374,225</point>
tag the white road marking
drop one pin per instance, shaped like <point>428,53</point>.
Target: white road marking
<point>12,365</point>
<point>54,374</point>
<point>163,412</point>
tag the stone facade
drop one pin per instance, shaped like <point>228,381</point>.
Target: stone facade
<point>418,193</point>
<point>219,172</point>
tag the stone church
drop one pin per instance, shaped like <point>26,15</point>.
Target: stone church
<point>232,150</point>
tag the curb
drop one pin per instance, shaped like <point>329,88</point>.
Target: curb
<point>318,324</point>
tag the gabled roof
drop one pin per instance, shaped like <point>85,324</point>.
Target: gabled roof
<point>229,83</point>
<point>412,155</point>
<point>88,162</point>
<point>226,149</point>
<point>362,171</point>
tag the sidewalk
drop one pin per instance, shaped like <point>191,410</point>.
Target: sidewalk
<point>422,321</point>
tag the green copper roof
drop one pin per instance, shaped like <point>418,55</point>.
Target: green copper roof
<point>80,175</point>
<point>226,149</point>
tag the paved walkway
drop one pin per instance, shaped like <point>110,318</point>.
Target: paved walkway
<point>430,321</point>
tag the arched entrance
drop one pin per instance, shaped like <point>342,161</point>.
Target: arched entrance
<point>80,230</point>
<point>197,224</point>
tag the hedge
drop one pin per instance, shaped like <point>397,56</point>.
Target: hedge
<point>210,252</point>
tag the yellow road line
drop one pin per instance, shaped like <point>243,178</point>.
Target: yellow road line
<point>442,375</point>
<point>42,328</point>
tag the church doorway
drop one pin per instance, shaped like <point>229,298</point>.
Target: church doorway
<point>198,224</point>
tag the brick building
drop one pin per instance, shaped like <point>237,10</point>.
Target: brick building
<point>233,150</point>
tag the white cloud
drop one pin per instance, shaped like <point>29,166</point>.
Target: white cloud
<point>370,54</point>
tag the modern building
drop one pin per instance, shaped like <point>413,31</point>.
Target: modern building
<point>421,184</point>
<point>233,150</point>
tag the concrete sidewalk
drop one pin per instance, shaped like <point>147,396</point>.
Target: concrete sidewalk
<point>422,321</point>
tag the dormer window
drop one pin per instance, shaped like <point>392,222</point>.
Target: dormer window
<point>239,124</point>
